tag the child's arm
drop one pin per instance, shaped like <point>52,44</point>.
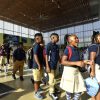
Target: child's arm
<point>92,58</point>
<point>37,61</point>
<point>47,64</point>
<point>65,62</point>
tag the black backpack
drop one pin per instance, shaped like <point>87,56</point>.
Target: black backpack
<point>30,58</point>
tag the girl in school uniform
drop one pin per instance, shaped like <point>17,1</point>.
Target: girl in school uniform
<point>94,52</point>
<point>72,81</point>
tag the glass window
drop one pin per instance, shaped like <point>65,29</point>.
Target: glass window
<point>36,31</point>
<point>17,28</point>
<point>64,31</point>
<point>17,33</point>
<point>45,35</point>
<point>8,26</point>
<point>24,30</point>
<point>31,32</point>
<point>62,39</point>
<point>88,27</point>
<point>47,40</point>
<point>96,25</point>
<point>1,24</point>
<point>24,35</point>
<point>8,32</point>
<point>79,28</point>
<point>1,30</point>
<point>31,36</point>
<point>71,30</point>
<point>81,40</point>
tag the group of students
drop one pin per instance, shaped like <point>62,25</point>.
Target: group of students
<point>72,81</point>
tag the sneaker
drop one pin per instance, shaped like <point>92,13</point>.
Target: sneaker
<point>57,91</point>
<point>38,95</point>
<point>40,90</point>
<point>54,96</point>
<point>21,78</point>
<point>13,76</point>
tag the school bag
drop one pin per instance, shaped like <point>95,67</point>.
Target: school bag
<point>81,69</point>
<point>86,56</point>
<point>91,86</point>
<point>86,52</point>
<point>30,58</point>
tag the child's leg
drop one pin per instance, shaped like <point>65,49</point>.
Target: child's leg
<point>36,86</point>
<point>37,74</point>
<point>37,79</point>
<point>51,82</point>
<point>77,96</point>
<point>68,96</point>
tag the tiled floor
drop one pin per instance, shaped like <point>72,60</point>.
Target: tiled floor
<point>24,90</point>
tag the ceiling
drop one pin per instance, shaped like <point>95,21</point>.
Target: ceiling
<point>46,15</point>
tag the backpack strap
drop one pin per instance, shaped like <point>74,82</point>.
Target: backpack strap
<point>98,51</point>
<point>69,52</point>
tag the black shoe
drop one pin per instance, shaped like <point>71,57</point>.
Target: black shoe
<point>57,91</point>
<point>21,78</point>
<point>13,76</point>
<point>32,80</point>
<point>53,96</point>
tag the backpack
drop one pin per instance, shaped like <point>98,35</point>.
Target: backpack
<point>81,69</point>
<point>30,58</point>
<point>86,52</point>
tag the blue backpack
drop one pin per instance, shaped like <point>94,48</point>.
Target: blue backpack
<point>92,86</point>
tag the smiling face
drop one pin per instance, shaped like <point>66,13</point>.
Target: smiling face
<point>54,38</point>
<point>73,40</point>
<point>98,38</point>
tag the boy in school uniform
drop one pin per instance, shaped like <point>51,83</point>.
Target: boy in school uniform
<point>72,81</point>
<point>37,65</point>
<point>52,58</point>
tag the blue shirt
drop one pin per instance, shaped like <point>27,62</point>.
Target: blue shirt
<point>52,50</point>
<point>19,54</point>
<point>37,50</point>
<point>75,54</point>
<point>95,48</point>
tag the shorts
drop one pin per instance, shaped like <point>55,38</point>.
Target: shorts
<point>37,75</point>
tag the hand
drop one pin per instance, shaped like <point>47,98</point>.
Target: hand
<point>80,63</point>
<point>92,74</point>
<point>39,67</point>
<point>48,69</point>
<point>88,62</point>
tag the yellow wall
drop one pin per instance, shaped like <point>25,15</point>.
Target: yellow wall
<point>1,38</point>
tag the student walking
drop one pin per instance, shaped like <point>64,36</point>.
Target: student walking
<point>52,58</point>
<point>19,57</point>
<point>72,81</point>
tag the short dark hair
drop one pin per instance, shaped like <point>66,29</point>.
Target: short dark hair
<point>38,34</point>
<point>54,34</point>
